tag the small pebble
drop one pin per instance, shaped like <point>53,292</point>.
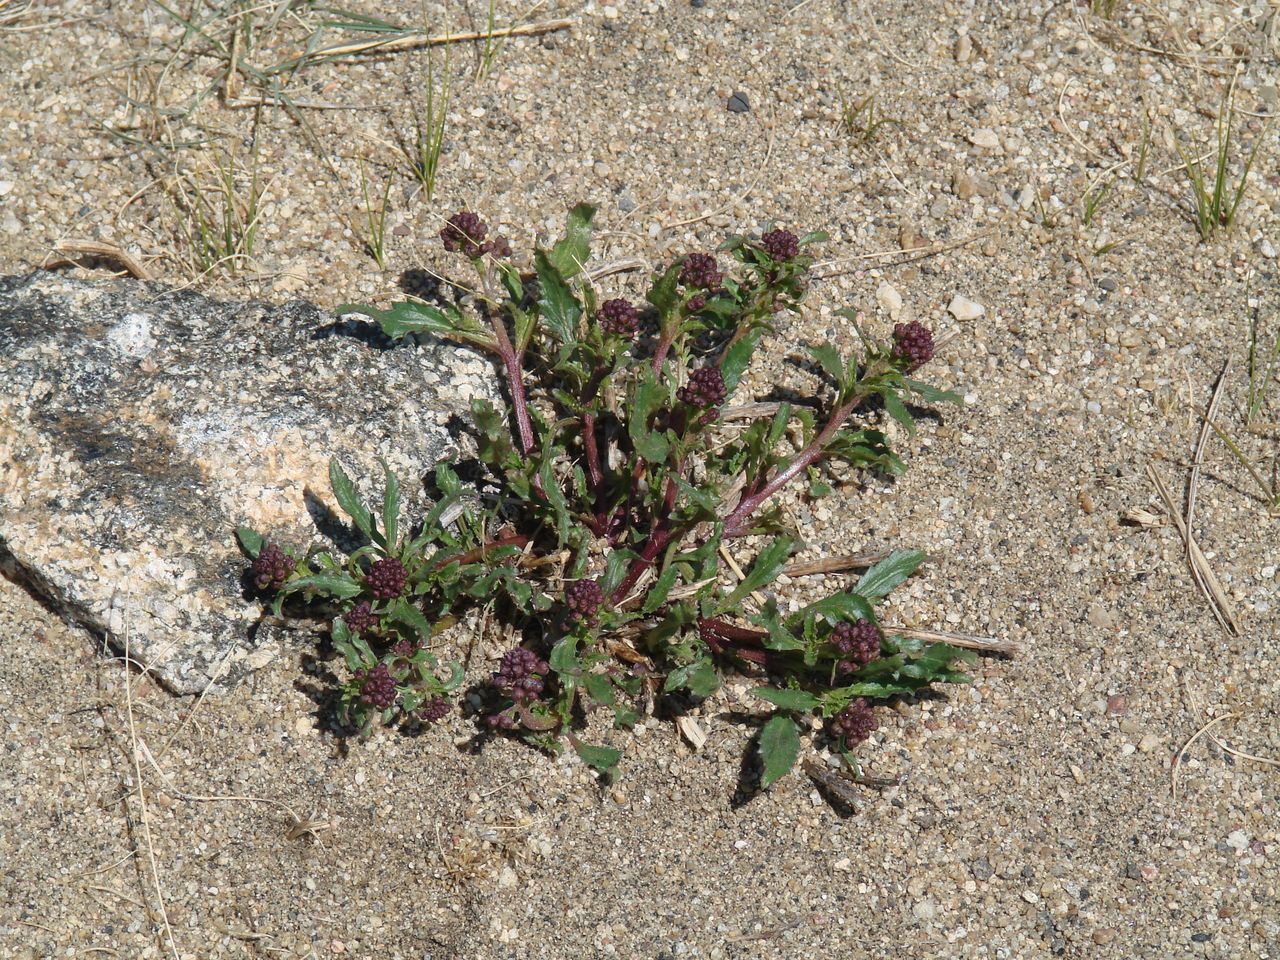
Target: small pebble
<point>962,308</point>
<point>738,103</point>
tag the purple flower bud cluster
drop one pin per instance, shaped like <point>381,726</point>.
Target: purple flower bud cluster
<point>696,302</point>
<point>700,271</point>
<point>520,674</point>
<point>434,710</point>
<point>859,642</point>
<point>386,578</point>
<point>271,568</point>
<point>705,388</point>
<point>377,687</point>
<point>619,318</point>
<point>912,343</point>
<point>465,233</point>
<point>854,723</point>
<point>780,244</point>
<point>584,598</point>
<point>361,618</point>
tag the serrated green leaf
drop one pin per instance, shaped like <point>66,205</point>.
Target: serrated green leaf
<point>331,585</point>
<point>391,507</point>
<point>698,677</point>
<point>604,759</point>
<point>560,308</point>
<point>931,394</point>
<point>402,611</point>
<point>564,656</point>
<point>657,594</point>
<point>599,688</point>
<point>511,280</point>
<point>829,360</point>
<point>763,572</point>
<point>894,406</point>
<point>814,236</point>
<point>624,718</point>
<point>788,699</point>
<point>662,294</point>
<point>779,748</point>
<point>349,500</point>
<point>572,251</point>
<point>406,317</point>
<point>835,608</point>
<point>251,540</point>
<point>555,500</point>
<point>888,573</point>
<point>737,358</point>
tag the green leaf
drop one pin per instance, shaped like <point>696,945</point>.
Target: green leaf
<point>814,236</point>
<point>931,394</point>
<point>555,499</point>
<point>829,359</point>
<point>779,748</point>
<point>406,613</point>
<point>494,442</point>
<point>599,688</point>
<point>738,357</point>
<point>657,594</point>
<point>332,585</point>
<point>391,507</point>
<point>896,409</point>
<point>763,572</point>
<point>780,638</point>
<point>604,759</point>
<point>407,317</point>
<point>511,280</point>
<point>699,678</point>
<point>564,656</point>
<point>663,293</point>
<point>349,500</point>
<point>647,398</point>
<point>837,607</point>
<point>250,540</point>
<point>703,680</point>
<point>560,308</point>
<point>788,699</point>
<point>572,251</point>
<point>888,573</point>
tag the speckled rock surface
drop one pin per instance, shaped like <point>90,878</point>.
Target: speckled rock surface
<point>140,425</point>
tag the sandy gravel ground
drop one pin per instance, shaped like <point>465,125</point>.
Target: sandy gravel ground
<point>1038,815</point>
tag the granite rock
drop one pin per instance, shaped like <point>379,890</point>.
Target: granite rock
<point>140,425</point>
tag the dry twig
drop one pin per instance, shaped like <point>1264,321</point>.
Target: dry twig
<point>1201,573</point>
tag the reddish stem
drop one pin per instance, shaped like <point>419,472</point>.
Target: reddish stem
<point>735,524</point>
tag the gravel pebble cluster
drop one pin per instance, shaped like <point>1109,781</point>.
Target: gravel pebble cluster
<point>1035,816</point>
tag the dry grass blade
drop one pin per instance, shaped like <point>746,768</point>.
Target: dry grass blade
<point>852,561</point>
<point>1181,754</point>
<point>1010,648</point>
<point>70,249</point>
<point>915,253</point>
<point>1201,572</point>
<point>1205,429</point>
<point>417,41</point>
<point>142,796</point>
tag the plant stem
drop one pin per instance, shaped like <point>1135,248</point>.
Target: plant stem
<point>735,524</point>
<point>511,363</point>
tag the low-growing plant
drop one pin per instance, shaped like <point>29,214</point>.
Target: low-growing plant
<point>1096,192</point>
<point>1264,361</point>
<point>430,118</point>
<point>375,215</point>
<point>862,121</point>
<point>614,478</point>
<point>218,202</point>
<point>1215,201</point>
